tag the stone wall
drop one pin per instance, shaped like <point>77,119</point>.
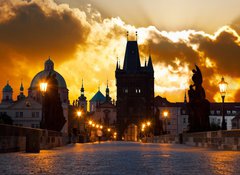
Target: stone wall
<point>14,138</point>
<point>223,140</point>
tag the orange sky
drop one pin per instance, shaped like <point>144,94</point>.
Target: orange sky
<point>84,43</point>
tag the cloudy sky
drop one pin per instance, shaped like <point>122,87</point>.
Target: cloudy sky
<point>85,37</point>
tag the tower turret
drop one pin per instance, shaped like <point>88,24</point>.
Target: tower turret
<point>82,100</point>
<point>7,94</point>
<point>21,95</point>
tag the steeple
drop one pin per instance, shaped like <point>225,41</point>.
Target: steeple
<point>185,98</point>
<point>82,100</point>
<point>145,63</point>
<point>21,87</point>
<point>150,65</point>
<point>82,89</point>
<point>108,98</point>
<point>7,94</point>
<point>21,95</point>
<point>131,59</point>
<point>107,90</point>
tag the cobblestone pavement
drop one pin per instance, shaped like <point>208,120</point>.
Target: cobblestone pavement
<point>122,158</point>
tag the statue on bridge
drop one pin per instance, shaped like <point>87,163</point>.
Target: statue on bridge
<point>198,106</point>
<point>54,118</point>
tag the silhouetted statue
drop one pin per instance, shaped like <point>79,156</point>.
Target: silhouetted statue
<point>54,118</point>
<point>199,107</point>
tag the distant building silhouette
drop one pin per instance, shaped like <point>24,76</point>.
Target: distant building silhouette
<point>135,89</point>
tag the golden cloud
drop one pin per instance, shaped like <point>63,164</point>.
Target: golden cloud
<point>85,45</point>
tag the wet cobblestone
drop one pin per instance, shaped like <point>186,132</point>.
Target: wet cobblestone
<point>123,158</point>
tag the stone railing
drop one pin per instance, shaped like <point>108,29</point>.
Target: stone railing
<point>14,138</point>
<point>223,140</point>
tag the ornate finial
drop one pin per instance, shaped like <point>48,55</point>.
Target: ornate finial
<point>136,35</point>
<point>99,87</point>
<point>7,81</point>
<point>127,35</point>
<point>82,82</point>
<point>107,83</point>
<point>145,62</point>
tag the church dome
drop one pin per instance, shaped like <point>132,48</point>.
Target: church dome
<point>7,88</point>
<point>48,68</point>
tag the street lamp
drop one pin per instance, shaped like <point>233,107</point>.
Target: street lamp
<point>148,123</point>
<point>43,89</point>
<point>79,113</point>
<point>165,115</point>
<point>223,87</point>
<point>90,122</point>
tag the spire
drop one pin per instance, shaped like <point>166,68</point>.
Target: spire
<point>136,35</point>
<point>108,98</point>
<point>82,89</point>
<point>150,65</point>
<point>21,87</point>
<point>145,63</point>
<point>107,90</point>
<point>185,97</point>
<point>127,35</point>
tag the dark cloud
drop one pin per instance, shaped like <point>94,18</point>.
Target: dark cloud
<point>32,32</point>
<point>167,51</point>
<point>224,51</point>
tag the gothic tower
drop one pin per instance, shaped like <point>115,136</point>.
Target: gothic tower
<point>135,89</point>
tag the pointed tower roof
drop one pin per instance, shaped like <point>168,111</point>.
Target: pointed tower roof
<point>98,97</point>
<point>150,65</point>
<point>132,59</point>
<point>185,97</point>
<point>82,88</point>
<point>107,89</point>
<point>21,87</point>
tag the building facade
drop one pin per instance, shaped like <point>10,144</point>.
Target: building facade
<point>27,111</point>
<point>176,121</point>
<point>135,89</point>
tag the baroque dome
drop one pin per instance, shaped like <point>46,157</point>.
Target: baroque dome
<point>48,68</point>
<point>7,88</point>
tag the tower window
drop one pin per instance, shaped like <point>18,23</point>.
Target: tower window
<point>125,90</point>
<point>138,91</point>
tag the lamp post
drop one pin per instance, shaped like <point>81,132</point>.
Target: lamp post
<point>165,115</point>
<point>223,87</point>
<point>43,89</point>
<point>79,113</point>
